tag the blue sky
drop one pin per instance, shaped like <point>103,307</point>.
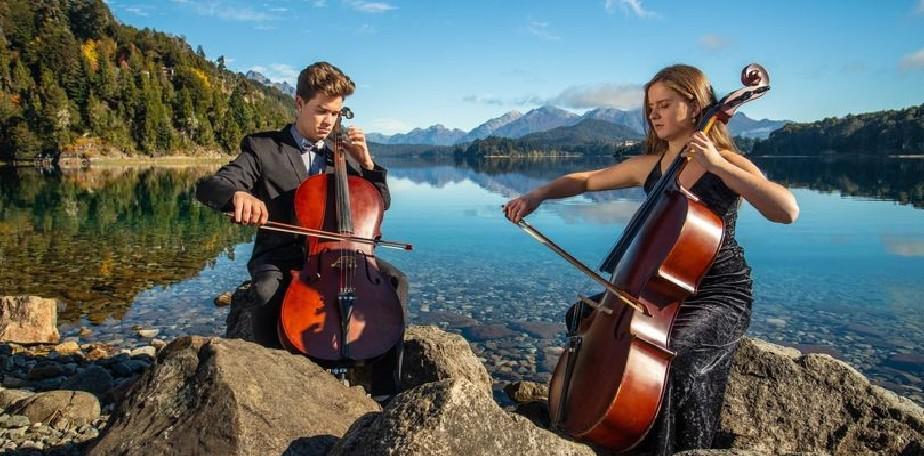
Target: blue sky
<point>459,63</point>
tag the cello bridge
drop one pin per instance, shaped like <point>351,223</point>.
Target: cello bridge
<point>345,262</point>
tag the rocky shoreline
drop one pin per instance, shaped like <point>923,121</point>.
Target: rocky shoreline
<point>227,396</point>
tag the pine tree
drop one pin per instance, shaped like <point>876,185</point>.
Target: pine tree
<point>55,117</point>
<point>6,81</point>
<point>21,142</point>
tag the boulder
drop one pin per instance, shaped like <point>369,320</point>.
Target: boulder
<point>780,401</point>
<point>9,397</point>
<point>94,379</point>
<point>532,401</point>
<point>231,397</point>
<point>523,392</point>
<point>431,355</point>
<point>450,417</point>
<point>29,320</point>
<point>223,299</point>
<point>77,407</point>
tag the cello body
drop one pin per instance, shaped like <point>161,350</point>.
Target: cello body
<point>340,309</point>
<point>620,372</point>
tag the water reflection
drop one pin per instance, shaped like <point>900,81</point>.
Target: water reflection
<point>910,246</point>
<point>96,238</point>
<point>130,246</point>
<point>506,177</point>
<point>894,179</point>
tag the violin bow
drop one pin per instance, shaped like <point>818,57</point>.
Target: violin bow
<point>294,229</point>
<point>623,296</point>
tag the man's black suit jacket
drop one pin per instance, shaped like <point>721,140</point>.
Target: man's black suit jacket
<point>270,167</point>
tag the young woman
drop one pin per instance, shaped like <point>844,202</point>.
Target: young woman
<point>711,322</point>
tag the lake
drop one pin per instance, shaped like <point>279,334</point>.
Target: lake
<point>130,247</point>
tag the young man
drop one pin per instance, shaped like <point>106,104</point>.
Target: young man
<point>260,185</point>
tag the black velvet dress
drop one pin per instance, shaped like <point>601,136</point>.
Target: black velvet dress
<point>705,335</point>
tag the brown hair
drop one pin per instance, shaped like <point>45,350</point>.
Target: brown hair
<point>693,86</point>
<point>322,77</point>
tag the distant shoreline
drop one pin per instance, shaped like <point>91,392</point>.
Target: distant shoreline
<point>173,160</point>
<point>163,161</point>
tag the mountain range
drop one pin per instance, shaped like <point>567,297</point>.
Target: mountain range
<point>517,125</point>
<point>589,130</point>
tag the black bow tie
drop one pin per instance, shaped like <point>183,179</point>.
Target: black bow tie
<point>308,146</point>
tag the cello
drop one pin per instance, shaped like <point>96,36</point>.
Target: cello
<point>609,382</point>
<point>340,309</point>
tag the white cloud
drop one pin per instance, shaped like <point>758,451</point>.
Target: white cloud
<point>629,7</point>
<point>320,3</point>
<point>528,100</point>
<point>370,7</point>
<point>541,29</point>
<point>920,8</point>
<point>278,72</point>
<point>605,95</point>
<point>622,96</point>
<point>484,99</point>
<point>713,42</point>
<point>913,61</point>
<point>284,72</point>
<point>221,10</point>
<point>600,213</point>
<point>140,10</point>
<point>389,126</point>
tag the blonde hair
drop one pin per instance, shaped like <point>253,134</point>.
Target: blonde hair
<point>691,84</point>
<point>322,77</point>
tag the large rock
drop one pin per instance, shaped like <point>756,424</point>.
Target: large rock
<point>780,401</point>
<point>232,397</point>
<point>29,320</point>
<point>9,397</point>
<point>450,417</point>
<point>77,407</point>
<point>94,379</point>
<point>431,355</point>
<point>531,401</point>
<point>523,392</point>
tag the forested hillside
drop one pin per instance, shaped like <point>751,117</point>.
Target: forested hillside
<point>892,132</point>
<point>73,78</point>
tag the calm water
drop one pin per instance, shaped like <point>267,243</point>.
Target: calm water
<point>129,247</point>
